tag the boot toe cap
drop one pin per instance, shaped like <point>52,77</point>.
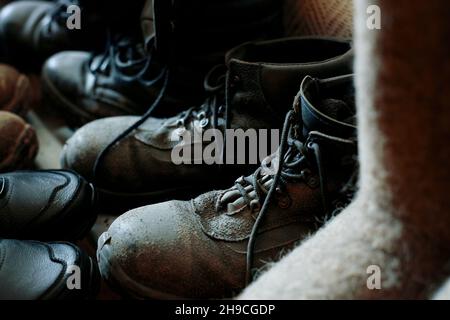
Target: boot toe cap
<point>148,252</point>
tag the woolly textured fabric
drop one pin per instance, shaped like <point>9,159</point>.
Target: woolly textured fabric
<point>319,17</point>
<point>399,221</point>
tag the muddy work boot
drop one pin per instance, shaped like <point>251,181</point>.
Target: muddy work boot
<point>31,270</point>
<point>18,143</point>
<point>40,28</point>
<point>210,247</point>
<point>182,42</point>
<point>252,92</point>
<point>45,205</point>
<point>15,91</point>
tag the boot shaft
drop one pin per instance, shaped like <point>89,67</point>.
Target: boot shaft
<point>202,31</point>
<point>263,77</point>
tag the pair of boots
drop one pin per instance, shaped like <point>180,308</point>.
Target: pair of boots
<point>149,252</point>
<point>39,205</point>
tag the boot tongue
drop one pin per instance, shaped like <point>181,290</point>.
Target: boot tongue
<point>328,106</point>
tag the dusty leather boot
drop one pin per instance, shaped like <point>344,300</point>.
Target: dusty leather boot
<point>15,91</point>
<point>253,92</point>
<point>18,143</point>
<point>183,41</point>
<point>209,247</point>
<point>39,28</point>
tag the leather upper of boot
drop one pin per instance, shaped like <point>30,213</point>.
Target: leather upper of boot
<point>199,248</point>
<point>32,270</point>
<point>45,205</point>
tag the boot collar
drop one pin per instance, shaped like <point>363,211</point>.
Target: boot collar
<point>314,119</point>
<point>265,75</point>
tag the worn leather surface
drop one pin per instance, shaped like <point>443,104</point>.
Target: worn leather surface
<point>18,143</point>
<point>50,205</point>
<point>32,270</point>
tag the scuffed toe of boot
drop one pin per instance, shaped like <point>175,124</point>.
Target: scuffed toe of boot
<point>160,252</point>
<point>135,255</point>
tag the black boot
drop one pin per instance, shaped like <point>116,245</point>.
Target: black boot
<point>183,41</point>
<point>32,31</point>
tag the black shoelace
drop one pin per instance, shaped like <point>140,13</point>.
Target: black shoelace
<point>292,165</point>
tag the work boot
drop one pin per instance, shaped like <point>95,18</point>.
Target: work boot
<point>32,270</point>
<point>45,205</point>
<point>253,92</point>
<point>40,29</point>
<point>182,42</point>
<point>210,247</point>
<point>15,91</point>
<point>18,143</point>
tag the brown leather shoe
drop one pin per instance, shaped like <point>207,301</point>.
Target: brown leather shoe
<point>254,91</point>
<point>15,91</point>
<point>18,143</point>
<point>210,246</point>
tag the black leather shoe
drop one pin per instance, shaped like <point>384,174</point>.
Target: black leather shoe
<point>32,270</point>
<point>45,205</point>
<point>38,29</point>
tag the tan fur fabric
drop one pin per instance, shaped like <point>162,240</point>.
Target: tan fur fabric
<point>319,17</point>
<point>400,220</point>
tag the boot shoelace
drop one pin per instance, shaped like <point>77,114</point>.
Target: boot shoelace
<point>126,53</point>
<point>291,161</point>
<point>212,107</point>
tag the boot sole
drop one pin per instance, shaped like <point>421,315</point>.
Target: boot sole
<point>118,279</point>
